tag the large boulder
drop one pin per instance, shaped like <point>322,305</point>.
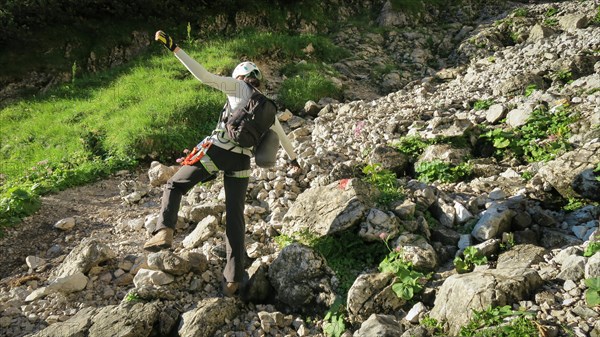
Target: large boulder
<point>329,209</point>
<point>302,279</point>
<point>462,293</point>
<point>208,316</point>
<point>87,254</point>
<point>371,294</point>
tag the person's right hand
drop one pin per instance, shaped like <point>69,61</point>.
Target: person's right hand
<point>165,40</point>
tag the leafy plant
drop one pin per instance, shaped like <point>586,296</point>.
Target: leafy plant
<point>596,18</point>
<point>550,12</point>
<point>432,324</point>
<point>551,22</point>
<point>562,75</point>
<point>530,89</point>
<point>574,204</point>
<point>508,241</point>
<point>438,170</point>
<point>408,281</point>
<point>521,12</point>
<point>385,181</point>
<point>592,294</point>
<point>17,203</point>
<point>411,145</point>
<point>283,240</point>
<point>472,258</point>
<point>597,172</point>
<point>483,104</point>
<point>480,323</point>
<point>132,297</point>
<point>346,253</point>
<point>542,138</point>
<point>527,175</point>
<point>334,322</point>
<point>592,248</point>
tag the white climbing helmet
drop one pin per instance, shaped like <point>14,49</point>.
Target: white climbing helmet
<point>245,68</point>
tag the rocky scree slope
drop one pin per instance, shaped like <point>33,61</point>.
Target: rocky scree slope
<point>95,280</point>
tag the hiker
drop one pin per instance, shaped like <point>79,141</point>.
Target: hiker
<point>220,153</point>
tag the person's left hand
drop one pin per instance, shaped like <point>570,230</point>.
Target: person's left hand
<point>165,40</point>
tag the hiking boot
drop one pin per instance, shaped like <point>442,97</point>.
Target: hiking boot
<point>161,240</point>
<point>230,288</point>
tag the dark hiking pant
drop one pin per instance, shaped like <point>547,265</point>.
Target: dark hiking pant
<point>236,168</point>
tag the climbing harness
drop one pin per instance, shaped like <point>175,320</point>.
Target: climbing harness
<point>197,153</point>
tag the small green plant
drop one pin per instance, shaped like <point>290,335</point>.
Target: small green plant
<point>564,76</point>
<point>483,104</point>
<point>530,89</point>
<point>521,12</point>
<point>346,253</point>
<point>385,181</point>
<point>408,281</point>
<point>472,258</point>
<point>574,204</point>
<point>17,203</point>
<point>189,33</point>
<point>592,294</point>
<point>527,175</point>
<point>597,172</point>
<point>485,323</point>
<point>592,248</point>
<point>73,71</point>
<point>132,297</point>
<point>508,241</point>
<point>283,240</point>
<point>334,322</point>
<point>542,138</point>
<point>596,19</point>
<point>438,170</point>
<point>412,146</point>
<point>551,22</point>
<point>550,12</point>
<point>432,324</point>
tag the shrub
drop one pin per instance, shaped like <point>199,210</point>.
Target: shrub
<point>438,170</point>
<point>530,89</point>
<point>408,282</point>
<point>334,321</point>
<point>385,181</point>
<point>521,12</point>
<point>592,294</point>
<point>482,321</point>
<point>411,145</point>
<point>483,104</point>
<point>472,258</point>
<point>542,138</point>
<point>592,248</point>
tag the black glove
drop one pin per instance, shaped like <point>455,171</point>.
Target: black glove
<point>166,40</point>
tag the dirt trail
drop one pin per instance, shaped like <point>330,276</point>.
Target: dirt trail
<point>96,207</point>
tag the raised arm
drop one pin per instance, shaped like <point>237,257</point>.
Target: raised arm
<point>229,85</point>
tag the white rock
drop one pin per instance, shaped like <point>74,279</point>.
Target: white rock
<point>33,262</point>
<point>151,277</point>
<point>65,224</point>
